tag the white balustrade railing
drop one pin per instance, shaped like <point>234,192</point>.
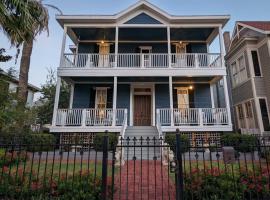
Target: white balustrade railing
<point>215,116</point>
<point>137,60</point>
<point>193,116</point>
<point>89,117</point>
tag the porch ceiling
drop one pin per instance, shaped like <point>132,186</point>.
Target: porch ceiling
<point>142,34</point>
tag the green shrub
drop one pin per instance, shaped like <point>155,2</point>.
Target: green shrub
<point>31,141</point>
<point>170,138</point>
<point>11,158</point>
<point>82,186</point>
<point>98,141</point>
<point>241,143</point>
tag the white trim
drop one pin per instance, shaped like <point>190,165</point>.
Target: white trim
<point>169,45</point>
<point>114,99</point>
<point>137,13</point>
<point>251,63</point>
<point>124,72</point>
<point>227,99</point>
<point>152,93</point>
<point>81,129</point>
<point>71,96</point>
<point>212,95</point>
<point>268,111</point>
<point>253,28</point>
<point>56,99</point>
<point>171,99</point>
<point>63,45</point>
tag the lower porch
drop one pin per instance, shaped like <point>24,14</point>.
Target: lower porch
<point>99,104</point>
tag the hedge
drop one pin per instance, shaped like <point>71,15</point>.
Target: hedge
<point>31,141</point>
<point>98,141</point>
<point>241,143</point>
<point>170,138</point>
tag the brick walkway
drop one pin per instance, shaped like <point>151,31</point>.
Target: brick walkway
<point>144,180</point>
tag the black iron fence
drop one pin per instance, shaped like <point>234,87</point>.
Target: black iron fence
<point>137,168</point>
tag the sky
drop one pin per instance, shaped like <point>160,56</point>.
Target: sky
<point>46,50</point>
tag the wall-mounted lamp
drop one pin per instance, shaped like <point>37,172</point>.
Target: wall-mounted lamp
<point>190,87</point>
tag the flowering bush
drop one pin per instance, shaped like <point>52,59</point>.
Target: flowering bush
<point>217,184</point>
<point>11,158</point>
<point>26,185</point>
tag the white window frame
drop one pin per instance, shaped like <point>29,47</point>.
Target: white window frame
<point>238,71</point>
<point>252,63</point>
<point>98,89</point>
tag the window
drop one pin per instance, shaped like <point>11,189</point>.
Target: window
<point>264,113</point>
<point>256,64</point>
<point>240,112</point>
<point>249,113</point>
<point>239,73</point>
<point>101,98</point>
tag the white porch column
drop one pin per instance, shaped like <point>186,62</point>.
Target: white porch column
<point>169,45</point>
<point>116,44</point>
<point>114,100</point>
<point>63,46</point>
<point>227,99</point>
<point>71,96</point>
<point>56,100</point>
<point>222,48</point>
<point>212,94</point>
<point>171,99</point>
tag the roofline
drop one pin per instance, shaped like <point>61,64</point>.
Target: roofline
<point>61,18</point>
<point>16,80</point>
<point>242,23</point>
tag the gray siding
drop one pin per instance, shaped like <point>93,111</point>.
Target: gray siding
<point>242,92</point>
<point>162,97</point>
<point>265,65</point>
<point>259,85</point>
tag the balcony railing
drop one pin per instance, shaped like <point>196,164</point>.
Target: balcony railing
<point>90,117</point>
<point>194,117</point>
<point>187,61</point>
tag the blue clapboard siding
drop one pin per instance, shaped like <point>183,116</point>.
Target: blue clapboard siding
<point>81,98</point>
<point>91,48</point>
<point>197,48</point>
<point>202,96</point>
<point>123,97</point>
<point>134,48</point>
<point>143,19</point>
<point>162,97</point>
<point>84,95</point>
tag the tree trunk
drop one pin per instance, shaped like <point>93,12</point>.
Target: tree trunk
<point>24,70</point>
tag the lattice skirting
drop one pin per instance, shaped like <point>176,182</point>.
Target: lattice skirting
<point>203,138</point>
<point>84,139</point>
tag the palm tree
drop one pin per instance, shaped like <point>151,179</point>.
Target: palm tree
<point>22,21</point>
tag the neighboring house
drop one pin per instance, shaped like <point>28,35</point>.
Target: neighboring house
<point>248,62</point>
<point>12,84</point>
<point>142,68</point>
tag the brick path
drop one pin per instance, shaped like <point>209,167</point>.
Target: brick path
<point>148,180</point>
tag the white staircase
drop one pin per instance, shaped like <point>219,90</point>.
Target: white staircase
<point>140,142</point>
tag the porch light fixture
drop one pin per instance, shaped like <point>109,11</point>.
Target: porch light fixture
<point>190,87</point>
<point>102,41</point>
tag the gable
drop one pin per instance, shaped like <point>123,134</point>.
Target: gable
<point>143,18</point>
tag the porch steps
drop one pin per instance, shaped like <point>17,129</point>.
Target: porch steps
<point>144,138</point>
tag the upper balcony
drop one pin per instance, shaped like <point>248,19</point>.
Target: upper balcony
<point>137,64</point>
<point>142,41</point>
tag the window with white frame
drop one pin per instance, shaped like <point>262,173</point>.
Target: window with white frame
<point>238,71</point>
<point>101,98</point>
<point>249,113</point>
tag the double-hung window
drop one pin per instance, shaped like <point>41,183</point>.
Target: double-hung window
<point>101,98</point>
<point>238,71</point>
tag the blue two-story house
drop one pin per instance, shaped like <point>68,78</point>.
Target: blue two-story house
<point>142,68</point>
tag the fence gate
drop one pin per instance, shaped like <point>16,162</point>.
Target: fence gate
<point>145,169</point>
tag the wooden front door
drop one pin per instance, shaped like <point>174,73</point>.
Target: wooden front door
<point>142,110</point>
